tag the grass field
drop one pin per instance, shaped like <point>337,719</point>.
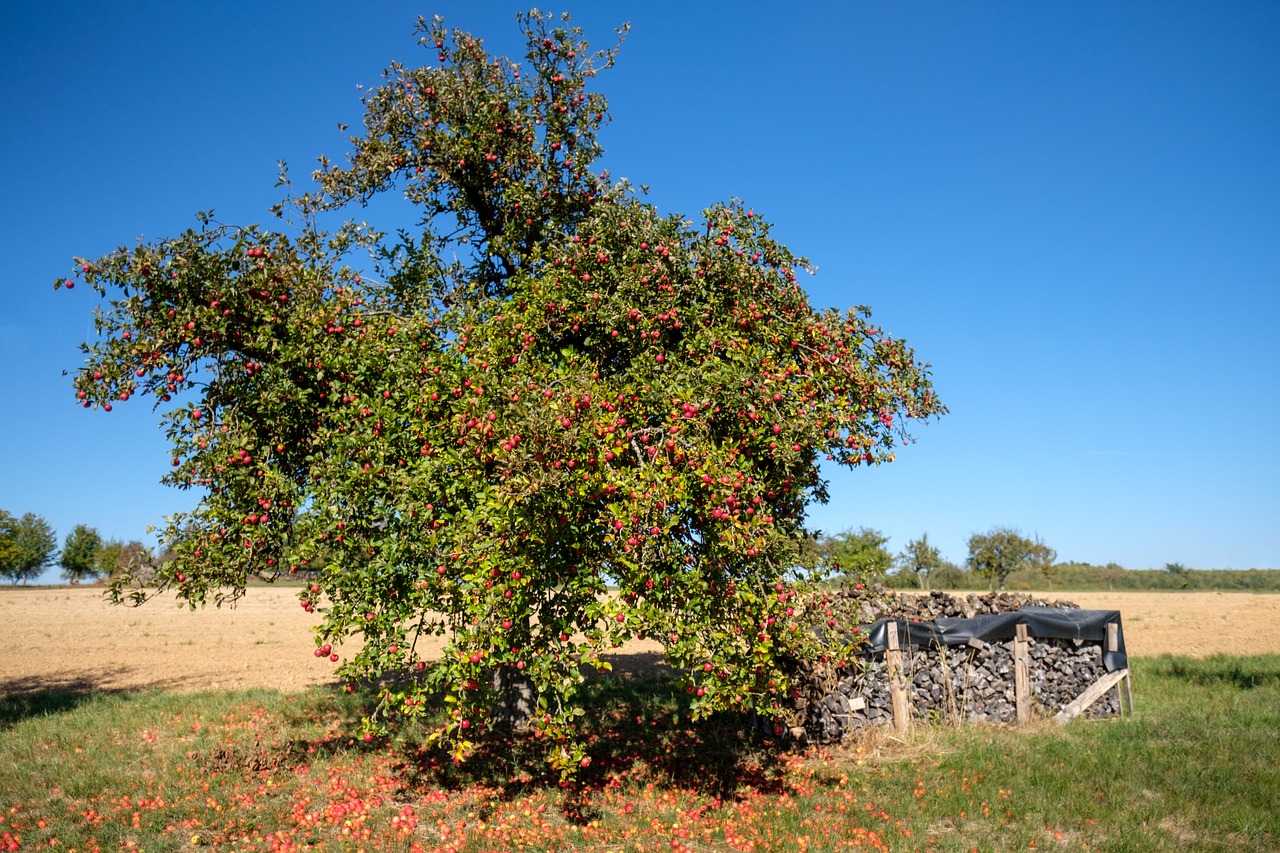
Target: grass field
<point>1197,767</point>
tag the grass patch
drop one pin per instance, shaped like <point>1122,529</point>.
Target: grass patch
<point>1196,768</point>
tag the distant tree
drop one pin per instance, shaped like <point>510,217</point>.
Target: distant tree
<point>27,545</point>
<point>951,576</point>
<point>115,557</point>
<point>1002,551</point>
<point>1044,559</point>
<point>860,553</point>
<point>137,560</point>
<point>1175,568</point>
<point>8,546</point>
<point>921,559</point>
<point>79,554</point>
<point>1111,572</point>
<point>107,557</point>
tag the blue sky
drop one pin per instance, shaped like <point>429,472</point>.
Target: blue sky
<point>1071,210</point>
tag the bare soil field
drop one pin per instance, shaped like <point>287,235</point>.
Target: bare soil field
<point>70,638</point>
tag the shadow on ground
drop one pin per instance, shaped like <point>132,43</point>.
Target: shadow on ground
<point>32,696</point>
<point>637,730</point>
<point>1241,673</point>
<point>29,696</point>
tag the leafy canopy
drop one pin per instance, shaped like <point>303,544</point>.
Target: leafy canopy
<point>79,559</point>
<point>27,545</point>
<point>920,558</point>
<point>543,421</point>
<point>1002,551</point>
<point>858,553</point>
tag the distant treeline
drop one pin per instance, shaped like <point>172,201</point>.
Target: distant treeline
<point>1084,577</point>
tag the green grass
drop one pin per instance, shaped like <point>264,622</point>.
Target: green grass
<point>1197,767</point>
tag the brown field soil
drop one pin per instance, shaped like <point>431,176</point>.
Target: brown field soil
<point>70,638</point>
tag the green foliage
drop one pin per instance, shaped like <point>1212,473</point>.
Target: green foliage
<point>27,545</point>
<point>859,555</point>
<point>8,542</point>
<point>124,560</point>
<point>79,558</point>
<point>1043,559</point>
<point>921,559</point>
<point>549,390</point>
<point>951,576</point>
<point>1112,577</point>
<point>1001,551</point>
<point>106,559</point>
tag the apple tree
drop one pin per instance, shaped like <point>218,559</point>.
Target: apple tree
<point>545,419</point>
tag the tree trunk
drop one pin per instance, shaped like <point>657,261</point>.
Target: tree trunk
<point>516,699</point>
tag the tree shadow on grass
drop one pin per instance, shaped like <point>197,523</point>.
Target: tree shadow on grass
<point>1240,673</point>
<point>29,696</point>
<point>19,706</point>
<point>42,696</point>
<point>637,730</point>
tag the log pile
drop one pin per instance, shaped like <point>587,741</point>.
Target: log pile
<point>940,605</point>
<point>1061,671</point>
<point>974,682</point>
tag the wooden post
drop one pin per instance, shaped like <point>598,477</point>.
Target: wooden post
<point>897,680</point>
<point>1021,673</point>
<point>1124,687</point>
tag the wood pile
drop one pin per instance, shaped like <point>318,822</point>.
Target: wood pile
<point>973,682</point>
<point>940,605</point>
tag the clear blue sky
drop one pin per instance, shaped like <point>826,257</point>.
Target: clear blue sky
<point>1071,210</point>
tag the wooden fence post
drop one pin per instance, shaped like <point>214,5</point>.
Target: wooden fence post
<point>1022,673</point>
<point>897,680</point>
<point>1124,688</point>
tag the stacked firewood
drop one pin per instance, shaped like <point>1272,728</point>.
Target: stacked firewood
<point>940,605</point>
<point>973,682</point>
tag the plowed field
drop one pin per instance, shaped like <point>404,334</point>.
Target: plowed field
<point>71,638</point>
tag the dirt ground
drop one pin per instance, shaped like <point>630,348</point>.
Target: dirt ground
<point>70,638</point>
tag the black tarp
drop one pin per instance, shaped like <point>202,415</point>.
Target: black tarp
<point>1054,623</point>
